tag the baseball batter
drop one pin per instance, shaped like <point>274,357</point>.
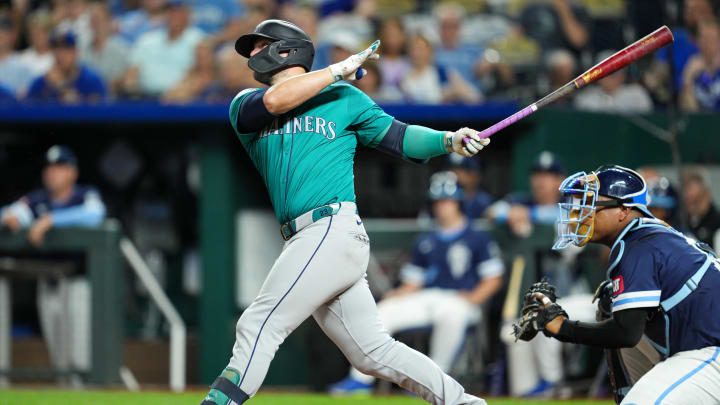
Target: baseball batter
<point>662,331</point>
<point>301,134</point>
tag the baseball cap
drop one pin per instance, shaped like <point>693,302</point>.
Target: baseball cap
<point>548,162</point>
<point>60,154</point>
<point>63,40</point>
<point>472,164</point>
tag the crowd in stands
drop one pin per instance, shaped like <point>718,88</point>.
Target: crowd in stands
<point>181,51</point>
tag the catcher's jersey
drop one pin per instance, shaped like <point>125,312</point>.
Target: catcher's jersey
<point>306,155</point>
<point>651,263</point>
<point>457,260</point>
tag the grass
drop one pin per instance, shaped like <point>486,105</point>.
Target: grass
<point>55,397</point>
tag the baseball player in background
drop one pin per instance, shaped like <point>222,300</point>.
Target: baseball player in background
<point>453,271</point>
<point>60,203</point>
<point>660,302</point>
<point>301,134</point>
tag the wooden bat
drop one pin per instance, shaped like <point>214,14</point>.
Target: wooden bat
<point>643,47</point>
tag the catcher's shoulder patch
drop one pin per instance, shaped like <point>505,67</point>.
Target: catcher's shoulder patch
<point>618,286</point>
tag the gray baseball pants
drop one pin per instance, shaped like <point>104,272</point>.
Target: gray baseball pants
<point>321,272</point>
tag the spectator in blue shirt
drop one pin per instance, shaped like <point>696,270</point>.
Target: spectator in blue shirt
<point>68,81</point>
<point>221,20</point>
<point>451,54</point>
<point>134,23</point>
<point>6,96</point>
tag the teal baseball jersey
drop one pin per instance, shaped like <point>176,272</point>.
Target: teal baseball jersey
<point>305,156</point>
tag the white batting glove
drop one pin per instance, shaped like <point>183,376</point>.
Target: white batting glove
<point>465,141</point>
<point>349,69</point>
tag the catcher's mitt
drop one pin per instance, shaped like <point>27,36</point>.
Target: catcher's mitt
<point>538,309</point>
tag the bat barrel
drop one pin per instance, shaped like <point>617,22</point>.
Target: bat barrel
<point>640,48</point>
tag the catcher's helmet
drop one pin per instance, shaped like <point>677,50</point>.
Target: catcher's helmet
<point>444,186</point>
<point>285,37</point>
<point>580,200</point>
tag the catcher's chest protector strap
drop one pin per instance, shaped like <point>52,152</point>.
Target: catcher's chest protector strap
<point>232,391</point>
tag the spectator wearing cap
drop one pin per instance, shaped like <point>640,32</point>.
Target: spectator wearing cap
<point>161,58</point>
<point>150,16</point>
<point>60,203</point>
<point>662,199</point>
<point>521,211</point>
<point>15,75</point>
<point>106,53</point>
<point>469,175</point>
<point>703,216</point>
<point>614,94</point>
<point>68,81</point>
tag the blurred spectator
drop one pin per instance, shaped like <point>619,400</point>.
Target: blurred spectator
<point>15,76</point>
<point>135,23</point>
<point>371,84</point>
<point>393,64</point>
<point>161,58</point>
<point>221,20</point>
<point>200,79</point>
<point>613,94</point>
<point>343,45</point>
<point>107,53</point>
<point>469,175</point>
<point>68,81</point>
<point>560,68</point>
<point>557,24</point>
<point>521,211</point>
<point>6,96</point>
<point>428,83</point>
<point>684,44</point>
<point>663,200</point>
<point>701,78</point>
<point>235,76</point>
<point>60,203</point>
<point>703,217</point>
<point>73,16</point>
<point>453,271</point>
<point>305,16</point>
<point>38,57</point>
<point>451,54</point>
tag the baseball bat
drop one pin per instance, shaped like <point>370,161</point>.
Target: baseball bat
<point>640,48</point>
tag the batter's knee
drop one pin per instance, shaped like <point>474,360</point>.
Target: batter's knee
<point>370,362</point>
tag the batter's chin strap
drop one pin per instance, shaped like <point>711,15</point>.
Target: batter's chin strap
<point>227,387</point>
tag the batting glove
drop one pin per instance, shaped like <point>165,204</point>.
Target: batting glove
<point>465,141</point>
<point>349,69</point>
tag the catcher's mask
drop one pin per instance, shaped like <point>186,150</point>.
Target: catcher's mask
<point>287,38</point>
<point>579,203</point>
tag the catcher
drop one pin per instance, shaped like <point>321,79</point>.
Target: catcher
<point>658,310</point>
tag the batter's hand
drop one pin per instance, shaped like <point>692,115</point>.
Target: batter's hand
<point>349,69</point>
<point>455,142</point>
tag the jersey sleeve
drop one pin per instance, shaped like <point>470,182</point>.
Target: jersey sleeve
<point>635,279</point>
<point>249,113</point>
<point>487,257</point>
<point>90,213</point>
<point>414,271</point>
<point>367,119</point>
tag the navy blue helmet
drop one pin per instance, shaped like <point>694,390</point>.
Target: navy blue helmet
<point>60,154</point>
<point>624,185</point>
<point>444,186</point>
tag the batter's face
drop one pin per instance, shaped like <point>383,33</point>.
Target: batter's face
<point>260,44</point>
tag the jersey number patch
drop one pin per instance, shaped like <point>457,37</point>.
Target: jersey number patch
<point>618,286</point>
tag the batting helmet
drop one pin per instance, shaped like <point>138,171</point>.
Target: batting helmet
<point>286,37</point>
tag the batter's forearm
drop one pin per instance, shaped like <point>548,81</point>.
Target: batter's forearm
<point>486,289</point>
<point>292,92</point>
<point>423,143</point>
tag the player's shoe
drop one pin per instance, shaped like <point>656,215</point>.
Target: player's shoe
<point>216,397</point>
<point>544,389</point>
<point>350,387</point>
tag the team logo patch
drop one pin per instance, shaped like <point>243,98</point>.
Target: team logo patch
<point>618,286</point>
